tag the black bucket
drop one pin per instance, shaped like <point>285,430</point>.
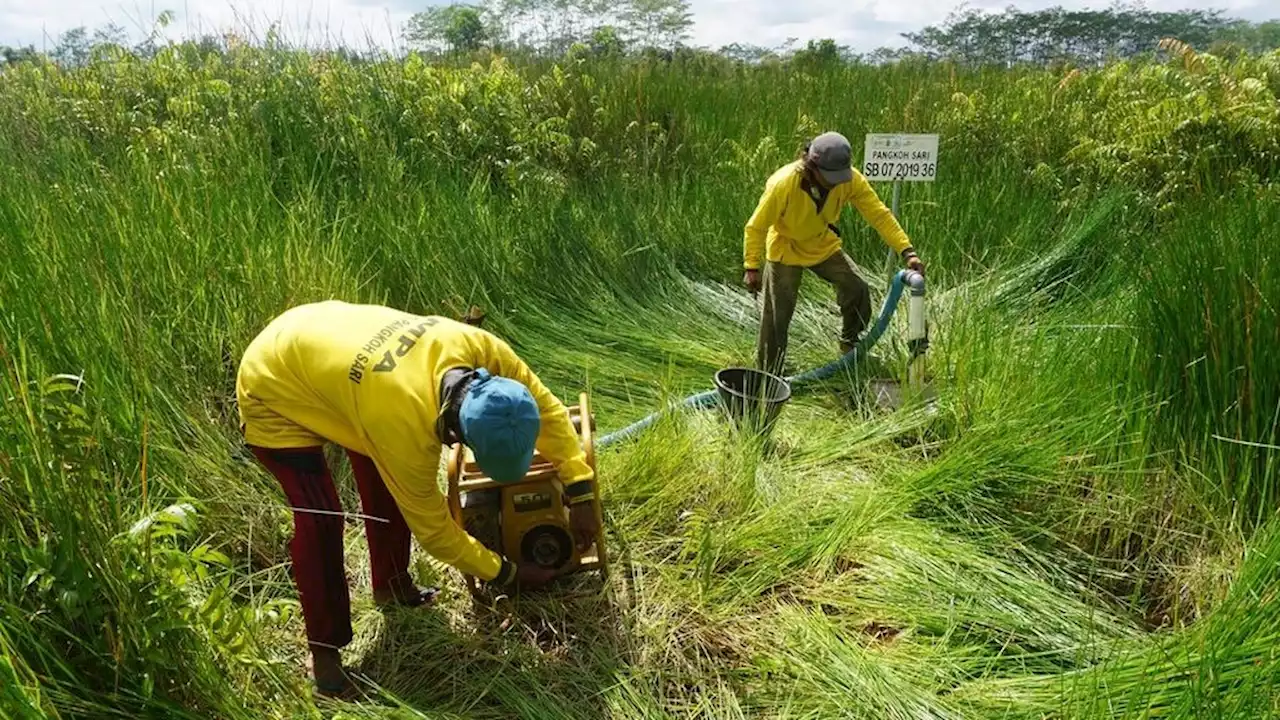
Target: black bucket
<point>752,398</point>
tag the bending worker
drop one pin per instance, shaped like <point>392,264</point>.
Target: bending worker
<point>392,388</point>
<point>793,228</point>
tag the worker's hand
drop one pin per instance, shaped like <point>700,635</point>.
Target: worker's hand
<point>582,521</point>
<point>751,279</point>
<point>915,263</point>
<point>530,576</point>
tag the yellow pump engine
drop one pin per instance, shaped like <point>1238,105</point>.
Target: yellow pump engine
<point>528,521</point>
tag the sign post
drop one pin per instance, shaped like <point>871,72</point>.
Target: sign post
<point>905,158</point>
<point>899,158</point>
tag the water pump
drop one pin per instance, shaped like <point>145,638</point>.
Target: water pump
<point>528,521</point>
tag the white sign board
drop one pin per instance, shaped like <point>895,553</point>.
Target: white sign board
<point>910,158</point>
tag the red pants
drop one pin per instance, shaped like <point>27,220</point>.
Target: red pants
<point>316,548</point>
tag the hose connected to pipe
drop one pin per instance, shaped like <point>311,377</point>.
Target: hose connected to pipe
<point>709,398</point>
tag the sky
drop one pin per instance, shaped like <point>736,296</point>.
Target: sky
<point>861,24</point>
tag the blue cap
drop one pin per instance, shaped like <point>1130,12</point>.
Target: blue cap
<point>500,424</point>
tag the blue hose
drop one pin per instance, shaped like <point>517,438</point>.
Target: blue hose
<point>708,399</point>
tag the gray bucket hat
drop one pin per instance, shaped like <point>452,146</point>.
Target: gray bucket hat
<point>831,153</point>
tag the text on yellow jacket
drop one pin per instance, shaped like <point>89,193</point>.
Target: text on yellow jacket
<point>367,378</point>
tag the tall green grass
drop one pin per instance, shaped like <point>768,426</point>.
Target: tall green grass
<point>1082,525</point>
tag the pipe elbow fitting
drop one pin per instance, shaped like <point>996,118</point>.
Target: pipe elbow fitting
<point>915,281</point>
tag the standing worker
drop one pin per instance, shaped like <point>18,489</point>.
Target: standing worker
<point>795,220</point>
<point>392,388</point>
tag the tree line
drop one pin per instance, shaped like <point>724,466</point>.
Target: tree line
<point>1084,37</point>
<point>551,28</point>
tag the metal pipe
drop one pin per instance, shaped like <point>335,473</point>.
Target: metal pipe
<point>893,208</point>
<point>917,331</point>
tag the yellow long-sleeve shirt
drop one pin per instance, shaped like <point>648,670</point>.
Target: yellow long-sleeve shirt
<point>368,378</point>
<point>787,223</point>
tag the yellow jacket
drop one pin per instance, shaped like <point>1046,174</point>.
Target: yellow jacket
<point>797,234</point>
<point>368,378</point>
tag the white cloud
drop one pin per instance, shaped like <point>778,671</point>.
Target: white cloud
<point>868,24</point>
<point>862,24</point>
<point>354,22</point>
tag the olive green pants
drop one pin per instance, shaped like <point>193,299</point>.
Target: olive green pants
<point>782,287</point>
